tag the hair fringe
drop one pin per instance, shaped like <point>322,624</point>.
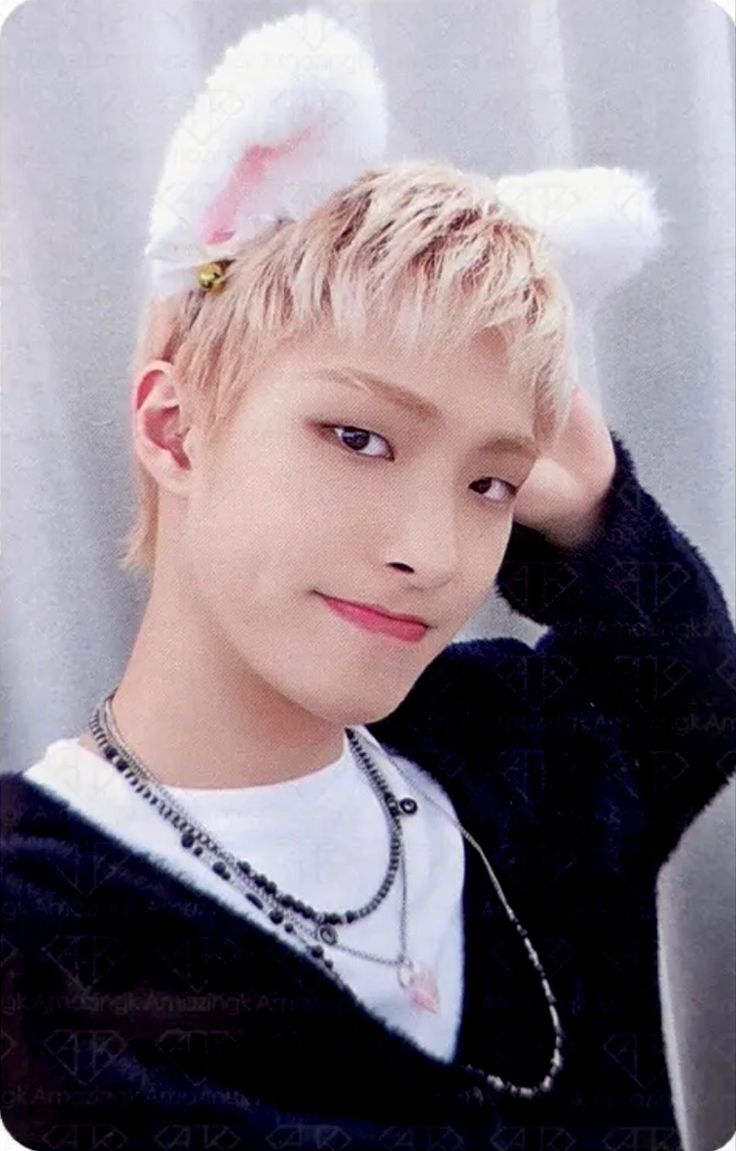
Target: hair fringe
<point>424,245</point>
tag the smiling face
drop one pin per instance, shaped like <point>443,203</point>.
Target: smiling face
<point>325,485</point>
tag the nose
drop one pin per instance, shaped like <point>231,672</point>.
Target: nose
<point>424,537</point>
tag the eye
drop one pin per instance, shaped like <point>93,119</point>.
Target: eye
<point>511,490</point>
<point>361,435</point>
<point>356,439</point>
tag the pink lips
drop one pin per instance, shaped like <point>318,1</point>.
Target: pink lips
<point>373,621</point>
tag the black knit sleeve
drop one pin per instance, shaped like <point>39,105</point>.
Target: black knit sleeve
<point>643,622</point>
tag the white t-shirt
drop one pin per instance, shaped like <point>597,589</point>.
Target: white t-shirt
<point>324,838</point>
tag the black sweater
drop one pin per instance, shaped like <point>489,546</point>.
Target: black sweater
<point>140,1014</point>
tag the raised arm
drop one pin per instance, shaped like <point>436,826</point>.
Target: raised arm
<point>639,614</point>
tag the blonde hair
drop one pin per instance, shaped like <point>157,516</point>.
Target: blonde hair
<point>423,244</point>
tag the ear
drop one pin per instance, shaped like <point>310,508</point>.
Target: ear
<point>250,175</point>
<point>602,225</point>
<point>160,429</point>
<point>294,110</point>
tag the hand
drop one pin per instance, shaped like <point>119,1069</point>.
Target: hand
<point>563,493</point>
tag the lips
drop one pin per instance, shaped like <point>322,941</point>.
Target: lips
<point>373,618</point>
<point>376,607</point>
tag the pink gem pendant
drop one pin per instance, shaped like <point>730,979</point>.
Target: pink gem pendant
<point>420,985</point>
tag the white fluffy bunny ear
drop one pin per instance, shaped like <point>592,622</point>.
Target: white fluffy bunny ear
<point>601,224</point>
<point>295,109</point>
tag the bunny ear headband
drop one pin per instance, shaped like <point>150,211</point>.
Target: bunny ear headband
<point>295,110</point>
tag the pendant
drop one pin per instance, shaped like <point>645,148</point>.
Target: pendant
<point>420,985</point>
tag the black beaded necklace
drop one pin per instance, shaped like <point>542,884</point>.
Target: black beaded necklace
<point>297,917</point>
<point>294,914</point>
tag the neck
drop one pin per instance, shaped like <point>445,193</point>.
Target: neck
<point>196,716</point>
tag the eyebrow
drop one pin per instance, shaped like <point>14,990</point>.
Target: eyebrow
<point>425,409</point>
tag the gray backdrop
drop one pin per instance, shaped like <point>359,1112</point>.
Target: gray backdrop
<point>93,89</point>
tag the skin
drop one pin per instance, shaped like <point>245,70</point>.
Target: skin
<point>240,674</point>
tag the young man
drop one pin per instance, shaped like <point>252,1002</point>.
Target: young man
<point>138,1000</point>
<point>294,510</point>
<point>208,937</point>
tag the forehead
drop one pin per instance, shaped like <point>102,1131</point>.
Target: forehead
<point>469,385</point>
<point>378,349</point>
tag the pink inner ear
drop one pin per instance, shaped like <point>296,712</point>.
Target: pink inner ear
<point>218,218</point>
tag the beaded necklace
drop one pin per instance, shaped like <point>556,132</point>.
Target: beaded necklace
<point>298,918</point>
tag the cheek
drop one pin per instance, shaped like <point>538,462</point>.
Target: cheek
<point>255,541</point>
<point>483,569</point>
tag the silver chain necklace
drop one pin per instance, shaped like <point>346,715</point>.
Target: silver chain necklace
<point>310,926</point>
<point>298,918</point>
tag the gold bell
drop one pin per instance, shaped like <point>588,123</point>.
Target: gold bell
<point>210,275</point>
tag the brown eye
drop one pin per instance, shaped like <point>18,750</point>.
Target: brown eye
<point>356,438</point>
<point>510,489</point>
